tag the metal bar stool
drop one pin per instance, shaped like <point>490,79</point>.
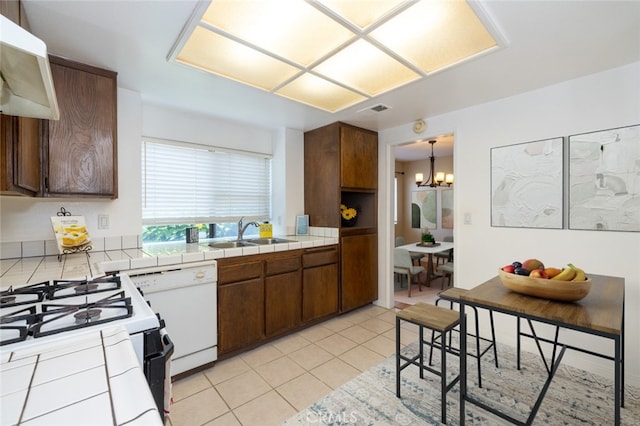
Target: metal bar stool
<point>452,296</point>
<point>437,319</point>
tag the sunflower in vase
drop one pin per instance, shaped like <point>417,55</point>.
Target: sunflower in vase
<point>348,215</point>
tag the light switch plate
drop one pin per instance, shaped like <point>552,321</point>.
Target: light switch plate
<point>103,221</point>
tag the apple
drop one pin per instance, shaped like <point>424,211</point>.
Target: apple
<point>539,273</point>
<point>509,268</point>
<point>531,264</point>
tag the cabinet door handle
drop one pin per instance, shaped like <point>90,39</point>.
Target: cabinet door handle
<point>319,249</point>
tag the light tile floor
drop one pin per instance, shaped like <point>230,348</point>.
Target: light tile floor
<point>271,383</point>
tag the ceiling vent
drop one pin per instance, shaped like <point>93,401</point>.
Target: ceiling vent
<point>376,108</point>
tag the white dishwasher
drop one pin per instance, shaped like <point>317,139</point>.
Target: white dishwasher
<point>186,298</point>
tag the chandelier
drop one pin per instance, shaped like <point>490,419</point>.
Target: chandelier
<point>434,179</point>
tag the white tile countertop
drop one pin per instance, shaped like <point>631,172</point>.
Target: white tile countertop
<point>20,271</point>
<point>92,378</point>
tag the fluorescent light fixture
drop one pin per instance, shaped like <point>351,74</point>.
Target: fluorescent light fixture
<point>331,54</point>
<point>26,85</point>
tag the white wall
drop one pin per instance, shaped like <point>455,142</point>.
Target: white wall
<point>288,167</point>
<point>166,123</point>
<point>601,101</point>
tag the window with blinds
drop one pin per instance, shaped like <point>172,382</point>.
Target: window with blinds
<point>195,184</point>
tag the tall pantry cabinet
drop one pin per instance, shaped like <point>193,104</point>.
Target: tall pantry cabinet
<point>341,168</point>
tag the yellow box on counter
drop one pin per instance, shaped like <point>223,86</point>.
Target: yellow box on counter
<point>266,230</point>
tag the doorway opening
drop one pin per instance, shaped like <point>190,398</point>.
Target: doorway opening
<point>419,209</point>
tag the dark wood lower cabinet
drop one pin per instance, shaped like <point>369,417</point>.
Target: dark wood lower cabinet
<point>319,292</point>
<point>359,269</point>
<point>240,314</point>
<point>282,302</point>
<point>264,296</point>
<point>319,283</point>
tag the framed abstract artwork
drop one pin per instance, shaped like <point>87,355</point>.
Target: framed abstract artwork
<point>527,185</point>
<point>604,180</point>
<point>446,215</point>
<point>424,209</point>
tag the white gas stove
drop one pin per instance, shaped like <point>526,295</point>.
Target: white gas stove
<point>57,312</point>
<point>54,310</point>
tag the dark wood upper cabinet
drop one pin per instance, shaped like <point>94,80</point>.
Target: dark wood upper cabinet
<point>11,10</point>
<point>322,176</point>
<point>80,149</point>
<point>20,162</point>
<point>340,158</point>
<point>75,156</point>
<point>358,158</point>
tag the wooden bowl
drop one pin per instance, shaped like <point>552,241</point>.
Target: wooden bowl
<point>564,291</point>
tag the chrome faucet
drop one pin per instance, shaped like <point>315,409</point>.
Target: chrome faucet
<point>242,228</point>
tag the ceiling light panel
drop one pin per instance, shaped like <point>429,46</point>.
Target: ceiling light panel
<point>217,54</point>
<point>320,93</point>
<point>331,54</point>
<point>443,33</point>
<point>362,13</point>
<point>291,29</point>
<point>366,68</point>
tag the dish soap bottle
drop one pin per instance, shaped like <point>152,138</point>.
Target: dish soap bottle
<point>266,230</point>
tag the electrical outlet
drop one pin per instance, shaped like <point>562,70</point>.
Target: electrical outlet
<point>103,221</point>
<point>467,218</point>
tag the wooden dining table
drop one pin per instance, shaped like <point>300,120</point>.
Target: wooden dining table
<point>429,250</point>
<point>600,313</point>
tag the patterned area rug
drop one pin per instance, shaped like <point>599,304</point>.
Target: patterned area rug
<point>574,397</point>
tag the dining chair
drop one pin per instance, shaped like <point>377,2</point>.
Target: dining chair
<point>414,256</point>
<point>447,272</point>
<point>447,255</point>
<point>403,265</point>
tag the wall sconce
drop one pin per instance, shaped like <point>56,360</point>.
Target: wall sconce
<point>434,179</point>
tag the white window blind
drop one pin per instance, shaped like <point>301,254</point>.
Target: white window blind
<point>184,184</point>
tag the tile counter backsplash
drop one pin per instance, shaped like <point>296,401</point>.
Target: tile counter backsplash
<point>12,250</point>
<point>35,261</point>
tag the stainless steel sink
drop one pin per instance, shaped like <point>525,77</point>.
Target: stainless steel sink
<point>263,241</point>
<point>232,244</point>
<point>249,243</point>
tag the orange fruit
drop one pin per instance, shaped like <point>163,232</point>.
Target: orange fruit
<point>552,272</point>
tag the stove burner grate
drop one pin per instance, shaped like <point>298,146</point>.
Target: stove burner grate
<point>7,300</point>
<point>87,315</point>
<point>85,288</point>
<point>16,324</point>
<point>52,321</point>
<point>24,295</point>
<point>61,289</point>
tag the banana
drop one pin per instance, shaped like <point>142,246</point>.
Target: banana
<point>580,274</point>
<point>567,274</point>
